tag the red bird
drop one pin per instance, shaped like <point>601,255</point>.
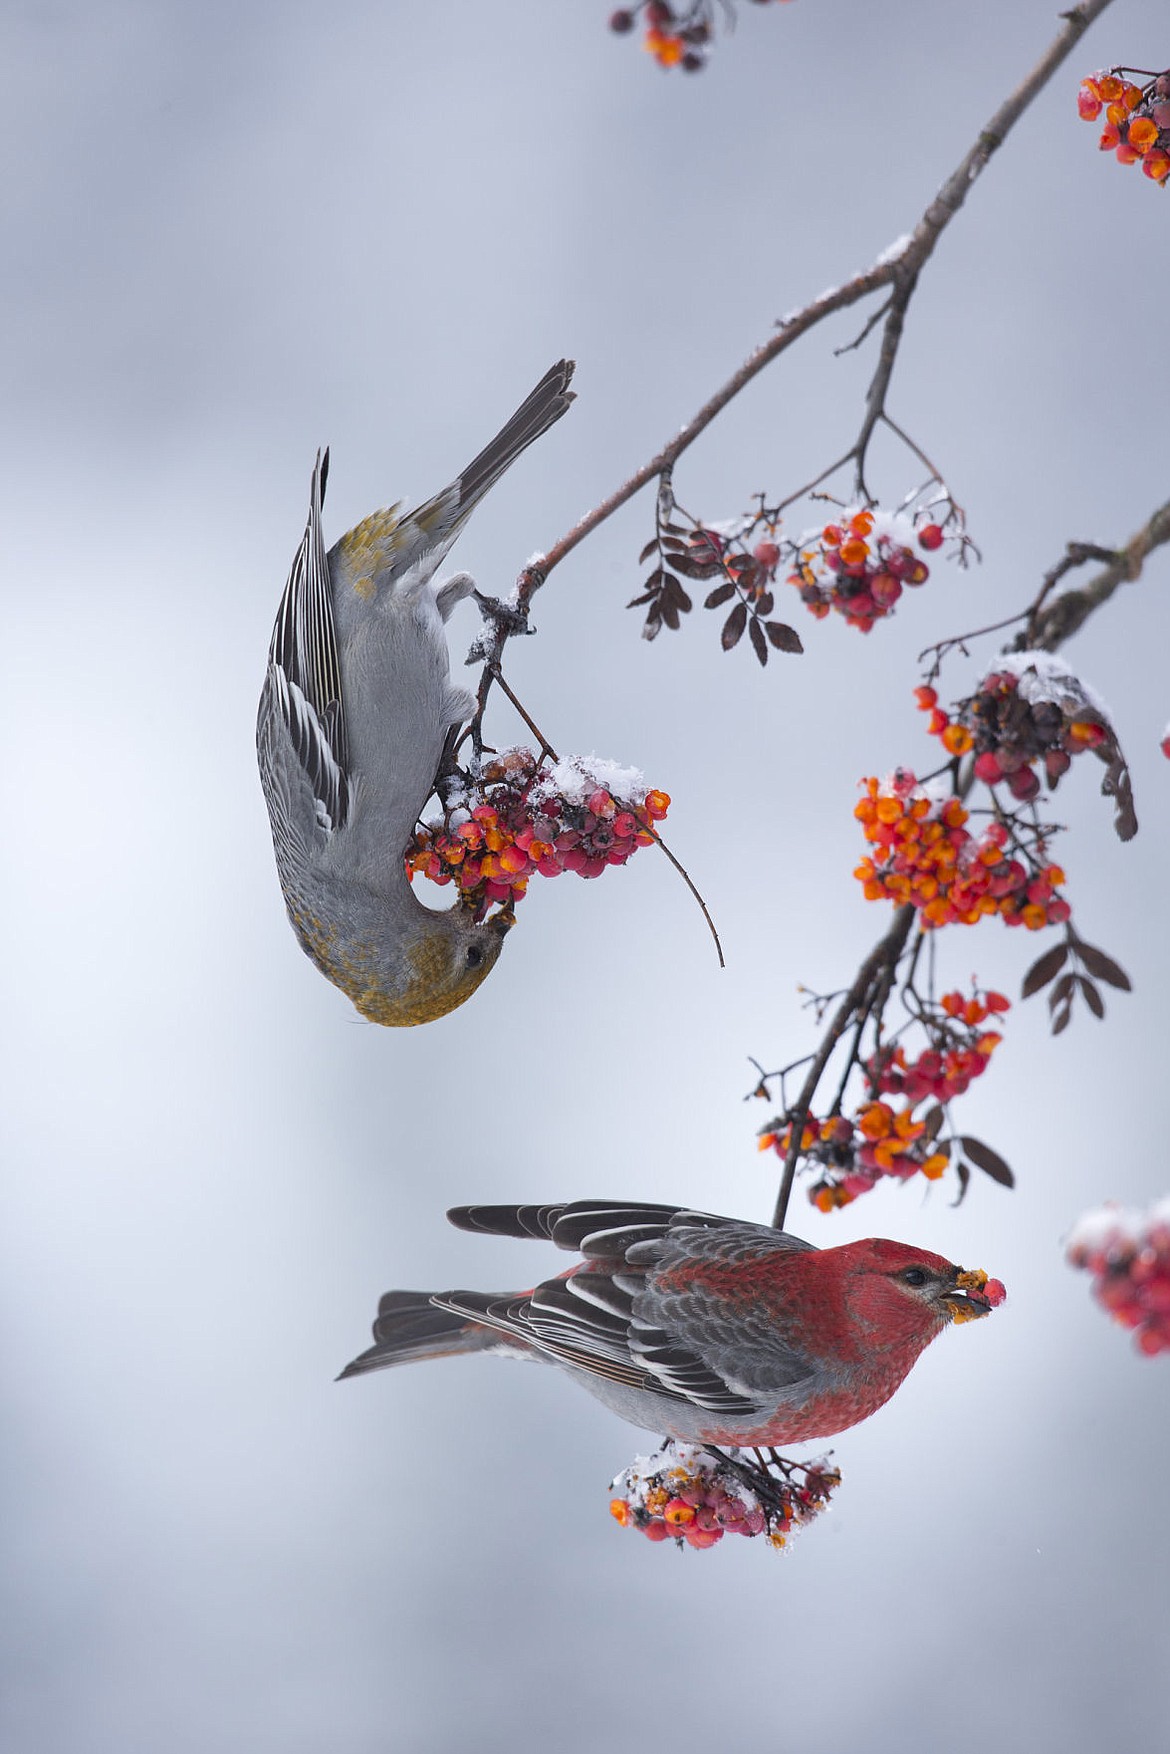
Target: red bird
<point>708,1329</point>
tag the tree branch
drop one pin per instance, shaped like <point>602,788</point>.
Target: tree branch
<point>1057,623</point>
<point>898,267</point>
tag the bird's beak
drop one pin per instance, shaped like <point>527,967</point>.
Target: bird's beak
<point>968,1301</point>
<point>503,921</point>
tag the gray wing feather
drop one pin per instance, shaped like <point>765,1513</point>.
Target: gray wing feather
<point>303,695</point>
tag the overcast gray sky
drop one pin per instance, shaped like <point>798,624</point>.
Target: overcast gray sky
<point>234,234</point>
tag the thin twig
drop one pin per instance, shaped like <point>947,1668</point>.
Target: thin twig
<point>897,268</point>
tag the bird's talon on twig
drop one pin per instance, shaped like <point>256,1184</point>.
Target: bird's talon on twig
<point>511,618</point>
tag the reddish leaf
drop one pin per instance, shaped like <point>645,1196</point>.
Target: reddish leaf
<point>648,551</point>
<point>1044,969</point>
<point>758,641</point>
<point>764,604</point>
<point>964,1175</point>
<point>668,609</point>
<point>1061,1017</point>
<point>989,1161</point>
<point>652,626</point>
<point>1103,966</point>
<point>733,627</point>
<point>719,595</point>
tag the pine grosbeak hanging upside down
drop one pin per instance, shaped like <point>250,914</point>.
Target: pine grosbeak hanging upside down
<point>707,1329</point>
<point>354,717</point>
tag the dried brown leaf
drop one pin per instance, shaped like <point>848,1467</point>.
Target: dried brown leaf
<point>733,627</point>
<point>1044,969</point>
<point>783,637</point>
<point>1103,966</point>
<point>1062,992</point>
<point>989,1161</point>
<point>1092,994</point>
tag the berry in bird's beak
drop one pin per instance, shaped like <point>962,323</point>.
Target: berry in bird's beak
<point>503,921</point>
<point>974,1295</point>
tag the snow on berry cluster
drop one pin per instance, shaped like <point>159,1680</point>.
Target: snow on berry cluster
<point>850,1156</point>
<point>677,35</point>
<point>1128,1254</point>
<point>1028,712</point>
<point>516,814</point>
<point>1137,119</point>
<point>860,565</point>
<point>697,1497</point>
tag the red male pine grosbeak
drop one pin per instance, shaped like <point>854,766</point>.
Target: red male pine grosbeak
<point>707,1329</point>
<point>357,705</point>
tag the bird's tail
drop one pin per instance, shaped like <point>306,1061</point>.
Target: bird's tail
<point>539,410</point>
<point>409,1327</point>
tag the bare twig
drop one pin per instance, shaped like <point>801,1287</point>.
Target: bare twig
<point>1068,613</point>
<point>897,268</point>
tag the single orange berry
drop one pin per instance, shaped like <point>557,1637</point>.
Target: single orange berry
<point>957,739</point>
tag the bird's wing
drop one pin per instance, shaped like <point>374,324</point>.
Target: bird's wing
<point>583,1321</point>
<point>595,1228</point>
<point>301,732</point>
<point>714,1294</point>
<point>609,1318</point>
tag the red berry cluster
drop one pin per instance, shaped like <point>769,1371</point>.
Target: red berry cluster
<point>860,565</point>
<point>1129,1254</point>
<point>516,815</point>
<point>1137,119</point>
<point>677,35</point>
<point>923,854</point>
<point>851,1156</point>
<point>696,1497</point>
<point>1027,712</point>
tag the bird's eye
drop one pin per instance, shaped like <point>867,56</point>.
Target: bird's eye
<point>916,1276</point>
<point>474,956</point>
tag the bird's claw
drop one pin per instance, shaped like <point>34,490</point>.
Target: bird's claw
<point>508,616</point>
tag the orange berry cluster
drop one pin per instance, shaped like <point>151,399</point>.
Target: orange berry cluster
<point>1028,711</point>
<point>696,1497</point>
<point>517,815</point>
<point>860,565</point>
<point>1137,119</point>
<point>923,854</point>
<point>1129,1254</point>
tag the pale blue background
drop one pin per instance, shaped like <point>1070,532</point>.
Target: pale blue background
<point>234,234</point>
